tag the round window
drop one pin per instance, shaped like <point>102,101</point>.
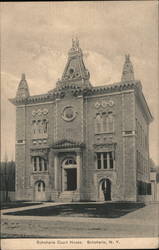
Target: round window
<point>68,113</point>
<point>71,71</point>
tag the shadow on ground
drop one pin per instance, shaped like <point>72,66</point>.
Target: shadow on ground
<point>16,204</point>
<point>102,210</point>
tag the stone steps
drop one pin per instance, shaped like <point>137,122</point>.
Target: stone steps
<point>69,196</point>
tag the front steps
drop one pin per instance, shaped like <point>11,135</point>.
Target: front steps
<point>69,196</point>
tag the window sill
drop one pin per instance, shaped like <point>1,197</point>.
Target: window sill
<point>38,137</point>
<point>100,133</point>
<point>40,172</point>
<point>109,169</point>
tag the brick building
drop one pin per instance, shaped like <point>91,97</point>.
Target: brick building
<point>80,142</point>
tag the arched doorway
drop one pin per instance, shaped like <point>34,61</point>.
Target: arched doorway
<point>69,174</point>
<point>40,191</point>
<point>105,189</point>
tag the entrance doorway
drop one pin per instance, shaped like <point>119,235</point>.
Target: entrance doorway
<point>105,190</point>
<point>71,176</point>
<point>40,191</point>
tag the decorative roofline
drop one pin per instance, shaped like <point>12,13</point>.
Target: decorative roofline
<point>142,102</point>
<point>58,93</point>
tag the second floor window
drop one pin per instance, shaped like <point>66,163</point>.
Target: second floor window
<point>39,128</point>
<point>104,122</point>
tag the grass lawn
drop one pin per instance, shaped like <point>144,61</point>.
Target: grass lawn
<point>96,210</point>
<point>16,204</point>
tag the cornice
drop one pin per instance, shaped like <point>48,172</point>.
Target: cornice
<point>76,90</point>
<point>144,106</point>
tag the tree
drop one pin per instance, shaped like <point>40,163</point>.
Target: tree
<point>6,176</point>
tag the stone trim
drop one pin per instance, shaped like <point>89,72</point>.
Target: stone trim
<point>67,144</point>
<point>76,91</point>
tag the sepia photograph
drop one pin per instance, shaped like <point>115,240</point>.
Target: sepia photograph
<point>79,125</point>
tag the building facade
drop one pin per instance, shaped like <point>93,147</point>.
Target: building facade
<point>79,142</point>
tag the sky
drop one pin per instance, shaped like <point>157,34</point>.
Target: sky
<point>36,37</point>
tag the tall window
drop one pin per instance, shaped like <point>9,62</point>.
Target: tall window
<point>98,123</point>
<point>99,161</point>
<point>34,127</point>
<point>110,122</point>
<point>105,165</point>
<point>34,162</point>
<point>45,126</point>
<point>105,160</point>
<point>40,128</point>
<point>41,186</point>
<point>104,122</point>
<point>111,159</point>
<point>45,165</point>
<point>39,164</point>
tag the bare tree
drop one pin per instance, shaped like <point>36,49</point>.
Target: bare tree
<point>6,177</point>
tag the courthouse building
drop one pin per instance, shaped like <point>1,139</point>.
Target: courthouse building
<point>80,142</point>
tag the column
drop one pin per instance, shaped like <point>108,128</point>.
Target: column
<point>55,170</point>
<point>78,159</point>
<point>63,179</point>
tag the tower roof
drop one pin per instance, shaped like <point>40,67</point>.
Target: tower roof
<point>75,71</point>
<point>128,72</point>
<point>23,89</point>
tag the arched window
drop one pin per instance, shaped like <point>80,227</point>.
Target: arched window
<point>70,161</point>
<point>41,186</point>
<point>45,126</point>
<point>105,122</point>
<point>39,126</point>
<point>110,122</point>
<point>98,123</point>
<point>34,127</point>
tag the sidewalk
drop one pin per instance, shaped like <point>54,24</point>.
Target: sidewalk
<point>46,204</point>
